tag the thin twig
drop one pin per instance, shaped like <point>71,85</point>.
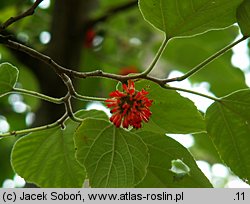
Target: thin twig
<point>67,81</point>
<point>37,95</point>
<point>69,110</point>
<point>28,12</point>
<point>192,92</point>
<point>67,99</point>
<point>88,98</point>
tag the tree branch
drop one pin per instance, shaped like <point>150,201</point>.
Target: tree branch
<point>28,12</point>
<point>60,70</point>
<point>69,110</point>
<point>66,74</point>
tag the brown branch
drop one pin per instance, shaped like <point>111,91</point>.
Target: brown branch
<point>28,12</point>
<point>111,12</point>
<point>60,70</point>
<point>64,73</point>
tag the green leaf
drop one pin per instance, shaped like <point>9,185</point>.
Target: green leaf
<point>47,158</point>
<point>243,17</point>
<point>228,125</point>
<point>204,149</point>
<point>166,154</point>
<point>185,53</point>
<point>189,17</point>
<point>112,157</point>
<point>8,78</point>
<point>171,113</point>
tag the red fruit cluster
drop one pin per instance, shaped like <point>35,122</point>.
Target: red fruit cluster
<point>130,107</point>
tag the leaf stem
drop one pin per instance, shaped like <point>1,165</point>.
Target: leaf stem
<point>30,130</point>
<point>206,62</point>
<point>88,98</point>
<point>66,79</point>
<point>38,95</point>
<point>192,92</point>
<point>157,57</point>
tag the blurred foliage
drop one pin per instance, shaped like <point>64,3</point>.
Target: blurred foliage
<point>6,171</point>
<point>26,79</point>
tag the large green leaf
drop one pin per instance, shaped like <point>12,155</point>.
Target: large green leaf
<point>171,113</point>
<point>8,78</point>
<point>228,124</point>
<point>47,158</point>
<point>164,151</point>
<point>243,17</point>
<point>184,54</point>
<point>189,17</point>
<point>112,157</point>
<point>204,149</point>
